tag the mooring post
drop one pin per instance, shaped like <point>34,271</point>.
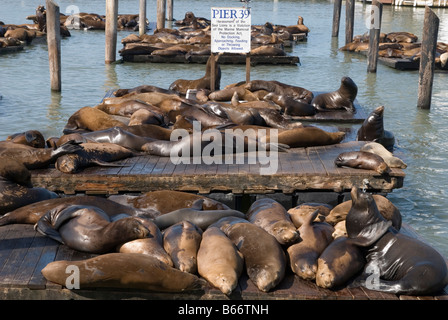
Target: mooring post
<point>427,59</point>
<point>161,7</point>
<point>111,30</point>
<point>142,18</point>
<point>54,44</point>
<point>336,17</point>
<point>213,74</point>
<point>375,31</point>
<point>248,67</point>
<point>169,9</point>
<point>349,20</point>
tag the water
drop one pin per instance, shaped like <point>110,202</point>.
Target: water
<point>420,134</point>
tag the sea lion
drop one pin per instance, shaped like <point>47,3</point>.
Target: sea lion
<point>32,138</point>
<point>388,157</point>
<point>181,241</point>
<point>315,237</point>
<point>264,258</point>
<point>165,201</point>
<point>88,228</point>
<point>30,214</point>
<point>338,263</point>
<point>226,94</point>
<point>280,88</point>
<point>142,88</point>
<point>290,106</point>
<point>151,245</point>
<point>340,99</point>
<point>362,160</point>
<point>101,154</point>
<point>300,213</point>
<point>272,217</point>
<point>339,230</point>
<point>372,129</point>
<point>219,261</point>
<point>16,189</point>
<point>400,264</point>
<point>90,119</point>
<point>267,50</point>
<point>182,85</point>
<point>124,270</point>
<point>201,218</point>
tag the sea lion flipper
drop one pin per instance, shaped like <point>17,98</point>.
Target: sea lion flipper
<point>44,226</point>
<point>370,234</point>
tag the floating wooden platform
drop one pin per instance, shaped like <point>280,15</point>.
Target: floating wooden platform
<point>223,59</point>
<point>299,169</point>
<point>24,253</point>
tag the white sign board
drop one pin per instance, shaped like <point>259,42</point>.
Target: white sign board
<point>230,30</point>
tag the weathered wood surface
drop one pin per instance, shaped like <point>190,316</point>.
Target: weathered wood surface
<point>25,252</point>
<point>299,169</point>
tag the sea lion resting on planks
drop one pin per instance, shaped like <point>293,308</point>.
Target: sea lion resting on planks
<point>341,99</point>
<point>362,160</point>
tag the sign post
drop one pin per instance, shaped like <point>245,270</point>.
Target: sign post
<point>231,32</point>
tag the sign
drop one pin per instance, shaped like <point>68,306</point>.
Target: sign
<point>230,30</point>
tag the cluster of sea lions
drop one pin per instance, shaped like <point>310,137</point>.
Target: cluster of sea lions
<point>174,241</point>
<point>192,36</point>
<point>403,45</point>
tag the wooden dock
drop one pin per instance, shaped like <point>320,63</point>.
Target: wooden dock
<point>299,169</point>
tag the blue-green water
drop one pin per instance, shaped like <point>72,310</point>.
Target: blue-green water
<point>421,134</point>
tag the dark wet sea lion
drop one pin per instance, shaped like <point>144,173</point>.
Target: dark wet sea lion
<point>265,261</point>
<point>342,98</point>
<point>290,106</point>
<point>303,255</point>
<point>400,264</point>
<point>272,217</point>
<point>219,261</point>
<point>32,138</point>
<point>181,241</point>
<point>362,160</point>
<point>89,229</point>
<point>31,213</point>
<point>338,263</point>
<point>124,270</point>
<point>372,129</point>
<point>280,88</point>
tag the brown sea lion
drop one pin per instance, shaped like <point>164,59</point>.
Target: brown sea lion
<point>124,270</point>
<point>142,89</point>
<point>300,213</point>
<point>219,261</point>
<point>315,237</point>
<point>182,85</point>
<point>264,258</point>
<point>32,138</point>
<point>338,263</point>
<point>341,99</point>
<point>90,119</point>
<point>100,154</point>
<point>266,50</point>
<point>388,157</point>
<point>362,160</point>
<point>181,241</point>
<point>151,245</point>
<point>226,94</point>
<point>165,201</point>
<point>399,264</point>
<point>16,189</point>
<point>88,228</point>
<point>272,217</point>
<point>31,213</point>
<point>307,136</point>
<point>339,230</point>
<point>290,106</point>
<point>280,88</point>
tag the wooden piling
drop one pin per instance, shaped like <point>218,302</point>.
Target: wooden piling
<point>427,59</point>
<point>161,14</point>
<point>336,17</point>
<point>375,30</point>
<point>142,18</point>
<point>247,67</point>
<point>111,30</point>
<point>54,44</point>
<point>349,20</point>
<point>169,9</point>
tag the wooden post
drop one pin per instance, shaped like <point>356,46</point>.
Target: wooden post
<point>111,30</point>
<point>212,72</point>
<point>247,67</point>
<point>349,20</point>
<point>336,17</point>
<point>54,44</point>
<point>375,31</point>
<point>161,7</point>
<point>427,60</point>
<point>169,5</point>
<point>142,18</point>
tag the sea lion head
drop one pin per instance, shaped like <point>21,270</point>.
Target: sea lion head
<point>349,87</point>
<point>372,128</point>
<point>364,222</point>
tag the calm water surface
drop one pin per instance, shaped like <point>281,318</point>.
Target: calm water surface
<point>421,135</point>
